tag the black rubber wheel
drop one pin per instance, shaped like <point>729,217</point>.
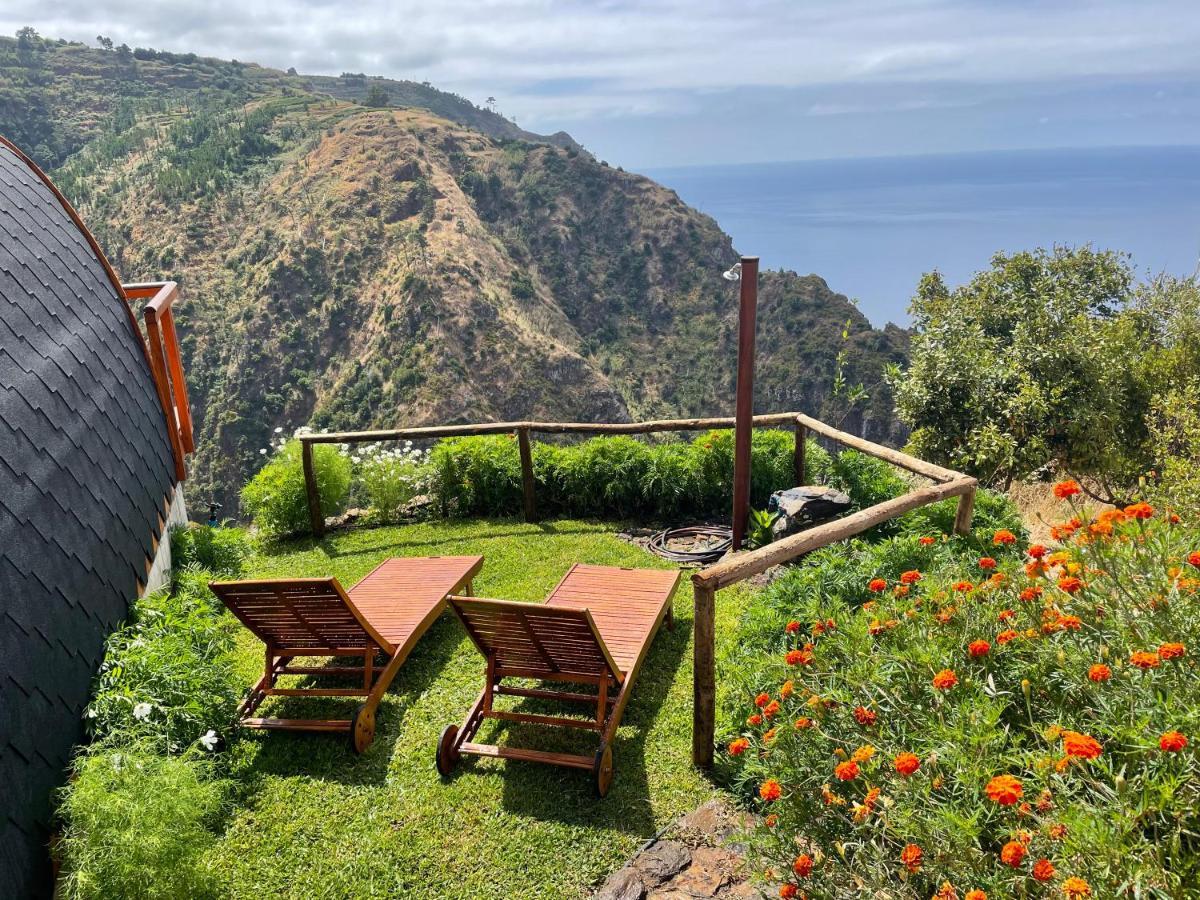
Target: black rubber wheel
<point>447,756</point>
<point>602,771</point>
<point>362,728</point>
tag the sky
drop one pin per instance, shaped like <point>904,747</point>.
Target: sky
<point>684,82</point>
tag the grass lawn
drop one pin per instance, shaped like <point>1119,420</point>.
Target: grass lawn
<point>314,820</point>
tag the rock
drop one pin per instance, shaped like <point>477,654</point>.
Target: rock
<point>660,861</point>
<point>623,885</point>
<point>711,870</point>
<point>801,507</point>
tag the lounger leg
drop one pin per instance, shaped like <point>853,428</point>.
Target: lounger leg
<point>362,731</point>
<point>454,736</point>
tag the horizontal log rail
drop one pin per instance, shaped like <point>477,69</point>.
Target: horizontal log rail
<point>732,569</point>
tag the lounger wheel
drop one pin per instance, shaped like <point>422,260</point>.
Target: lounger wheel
<point>602,771</point>
<point>362,728</point>
<point>447,755</point>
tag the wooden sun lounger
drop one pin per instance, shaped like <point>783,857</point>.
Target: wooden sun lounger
<point>594,629</point>
<point>385,613</point>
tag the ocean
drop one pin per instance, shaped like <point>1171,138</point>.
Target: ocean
<point>871,227</point>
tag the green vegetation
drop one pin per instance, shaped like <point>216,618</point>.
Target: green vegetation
<point>306,817</point>
<point>1018,723</point>
<point>1051,359</point>
<point>276,497</point>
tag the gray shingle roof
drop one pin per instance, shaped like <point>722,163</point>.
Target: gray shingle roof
<point>85,469</point>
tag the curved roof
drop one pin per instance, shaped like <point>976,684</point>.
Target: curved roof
<point>86,469</point>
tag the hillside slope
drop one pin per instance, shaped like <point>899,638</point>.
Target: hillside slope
<point>360,267</point>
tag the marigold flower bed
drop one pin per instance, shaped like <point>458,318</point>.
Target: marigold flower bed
<point>1021,724</point>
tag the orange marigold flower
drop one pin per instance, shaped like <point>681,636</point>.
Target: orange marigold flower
<point>1172,742</point>
<point>945,679</point>
<point>739,746</point>
<point>1070,584</point>
<point>755,719</point>
<point>1082,745</point>
<point>1058,831</point>
<point>979,648</point>
<point>1005,614</point>
<point>964,587</point>
<point>1141,510</point>
<point>787,891</point>
<point>1045,801</point>
<point>1145,659</point>
<point>976,894</point>
<point>863,754</point>
<point>945,892</point>
<point>1005,636</point>
<point>1043,870</point>
<point>1194,558</point>
<point>846,771</point>
<point>803,722</point>
<point>803,865</point>
<point>906,763</point>
<point>986,562</point>
<point>926,540</point>
<point>1004,789</point>
<point>1036,551</point>
<point>769,736</point>
<point>1065,489</point>
<point>865,716</point>
<point>1030,594</point>
<point>1099,673</point>
<point>770,790</point>
<point>771,821</point>
<point>875,585</point>
<point>901,590</point>
<point>1075,888</point>
<point>912,576</point>
<point>787,689</point>
<point>1003,536</point>
<point>762,700</point>
<point>1171,650</point>
<point>792,627</point>
<point>1013,854</point>
<point>911,857</point>
<point>771,708</point>
<point>798,657</point>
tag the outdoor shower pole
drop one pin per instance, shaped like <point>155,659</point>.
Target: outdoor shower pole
<point>744,414</point>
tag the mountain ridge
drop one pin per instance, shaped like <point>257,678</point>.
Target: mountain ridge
<point>352,266</point>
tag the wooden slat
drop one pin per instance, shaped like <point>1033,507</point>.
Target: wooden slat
<point>540,756</point>
<point>297,724</point>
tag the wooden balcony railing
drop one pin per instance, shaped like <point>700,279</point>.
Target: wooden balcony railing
<point>733,568</point>
<point>166,364</point>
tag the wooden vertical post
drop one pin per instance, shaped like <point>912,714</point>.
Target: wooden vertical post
<point>966,512</point>
<point>310,488</point>
<point>798,464</point>
<point>527,484</point>
<point>744,413</point>
<point>704,677</point>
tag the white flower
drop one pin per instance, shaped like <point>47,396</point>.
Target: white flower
<point>263,451</point>
<point>209,740</point>
<point>279,429</point>
<point>142,711</point>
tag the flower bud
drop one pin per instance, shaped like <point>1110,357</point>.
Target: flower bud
<point>1122,785</point>
<point>1025,688</point>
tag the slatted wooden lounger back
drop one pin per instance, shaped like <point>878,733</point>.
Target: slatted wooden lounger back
<point>594,629</point>
<point>386,613</point>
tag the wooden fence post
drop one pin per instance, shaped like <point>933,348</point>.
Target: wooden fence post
<point>704,680</point>
<point>527,484</point>
<point>310,488</point>
<point>798,459</point>
<point>966,512</point>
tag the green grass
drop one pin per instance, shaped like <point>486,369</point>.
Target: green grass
<point>314,820</point>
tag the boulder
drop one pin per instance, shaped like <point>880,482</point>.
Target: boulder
<point>802,507</point>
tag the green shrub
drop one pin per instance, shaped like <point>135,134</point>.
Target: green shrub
<point>167,676</point>
<point>138,824</point>
<point>391,478</point>
<point>221,551</point>
<point>276,499</point>
<point>478,475</point>
<point>1094,643</point>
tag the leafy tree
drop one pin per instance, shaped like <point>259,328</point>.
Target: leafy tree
<point>104,42</point>
<point>1036,360</point>
<point>377,97</point>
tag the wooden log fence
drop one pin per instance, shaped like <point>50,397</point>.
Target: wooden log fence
<point>732,569</point>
